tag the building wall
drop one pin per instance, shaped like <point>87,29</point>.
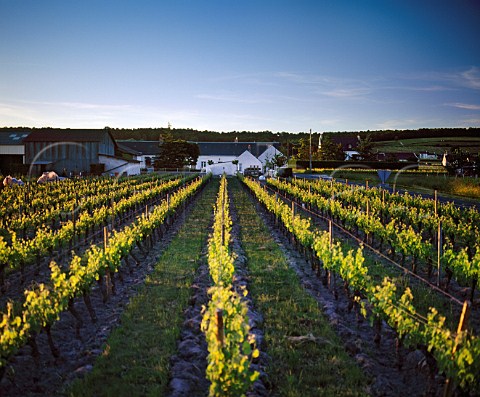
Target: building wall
<point>202,161</point>
<point>248,160</point>
<point>116,166</point>
<point>223,164</point>
<point>222,168</point>
<point>268,155</point>
<point>12,149</point>
<point>72,156</point>
<point>64,156</point>
<point>107,146</point>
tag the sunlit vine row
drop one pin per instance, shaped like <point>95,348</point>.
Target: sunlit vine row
<point>225,319</point>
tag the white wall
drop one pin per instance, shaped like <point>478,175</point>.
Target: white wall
<point>248,160</point>
<point>12,149</point>
<point>269,154</point>
<point>224,163</point>
<point>119,166</point>
<point>221,160</point>
<point>221,168</point>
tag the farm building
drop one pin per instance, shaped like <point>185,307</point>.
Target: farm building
<point>218,157</point>
<point>77,151</point>
<point>146,151</point>
<point>12,150</point>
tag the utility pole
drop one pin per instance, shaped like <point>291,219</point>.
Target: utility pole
<point>310,151</point>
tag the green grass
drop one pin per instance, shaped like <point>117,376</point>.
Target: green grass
<point>297,368</point>
<point>135,359</point>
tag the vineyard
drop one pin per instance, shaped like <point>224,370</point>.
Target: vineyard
<point>405,267</point>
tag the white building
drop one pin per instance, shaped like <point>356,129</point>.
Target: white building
<point>233,157</point>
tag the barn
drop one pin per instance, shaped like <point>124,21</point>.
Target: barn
<point>77,151</point>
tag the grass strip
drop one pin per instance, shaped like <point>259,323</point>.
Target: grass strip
<point>307,357</point>
<point>136,357</point>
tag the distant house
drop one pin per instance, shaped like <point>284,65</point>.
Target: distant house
<point>348,142</point>
<point>349,145</point>
<point>75,151</point>
<point>219,157</point>
<point>12,150</point>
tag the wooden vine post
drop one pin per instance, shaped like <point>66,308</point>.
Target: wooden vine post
<point>439,251</point>
<point>220,335</point>
<point>74,221</point>
<point>462,325</point>
<point>223,217</point>
<point>276,212</point>
<point>331,274</point>
<point>107,271</point>
<point>330,232</point>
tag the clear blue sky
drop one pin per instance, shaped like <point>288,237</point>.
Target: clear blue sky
<point>229,65</point>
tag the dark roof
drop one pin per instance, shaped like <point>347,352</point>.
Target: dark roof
<point>142,147</point>
<point>233,148</point>
<point>347,142</point>
<point>126,149</point>
<point>70,135</point>
<point>13,137</point>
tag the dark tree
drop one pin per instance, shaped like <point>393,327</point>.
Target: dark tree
<point>176,153</point>
<point>365,147</point>
<point>330,150</point>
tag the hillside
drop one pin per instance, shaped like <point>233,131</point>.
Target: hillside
<point>431,145</point>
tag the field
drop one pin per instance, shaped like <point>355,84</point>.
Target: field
<point>421,181</point>
<point>171,285</point>
<point>430,145</point>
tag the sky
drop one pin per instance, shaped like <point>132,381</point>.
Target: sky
<point>240,65</point>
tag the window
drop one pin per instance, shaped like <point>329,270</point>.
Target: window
<point>203,164</point>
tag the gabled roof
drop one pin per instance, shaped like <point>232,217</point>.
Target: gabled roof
<point>142,147</point>
<point>13,137</point>
<point>233,148</point>
<point>67,135</point>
